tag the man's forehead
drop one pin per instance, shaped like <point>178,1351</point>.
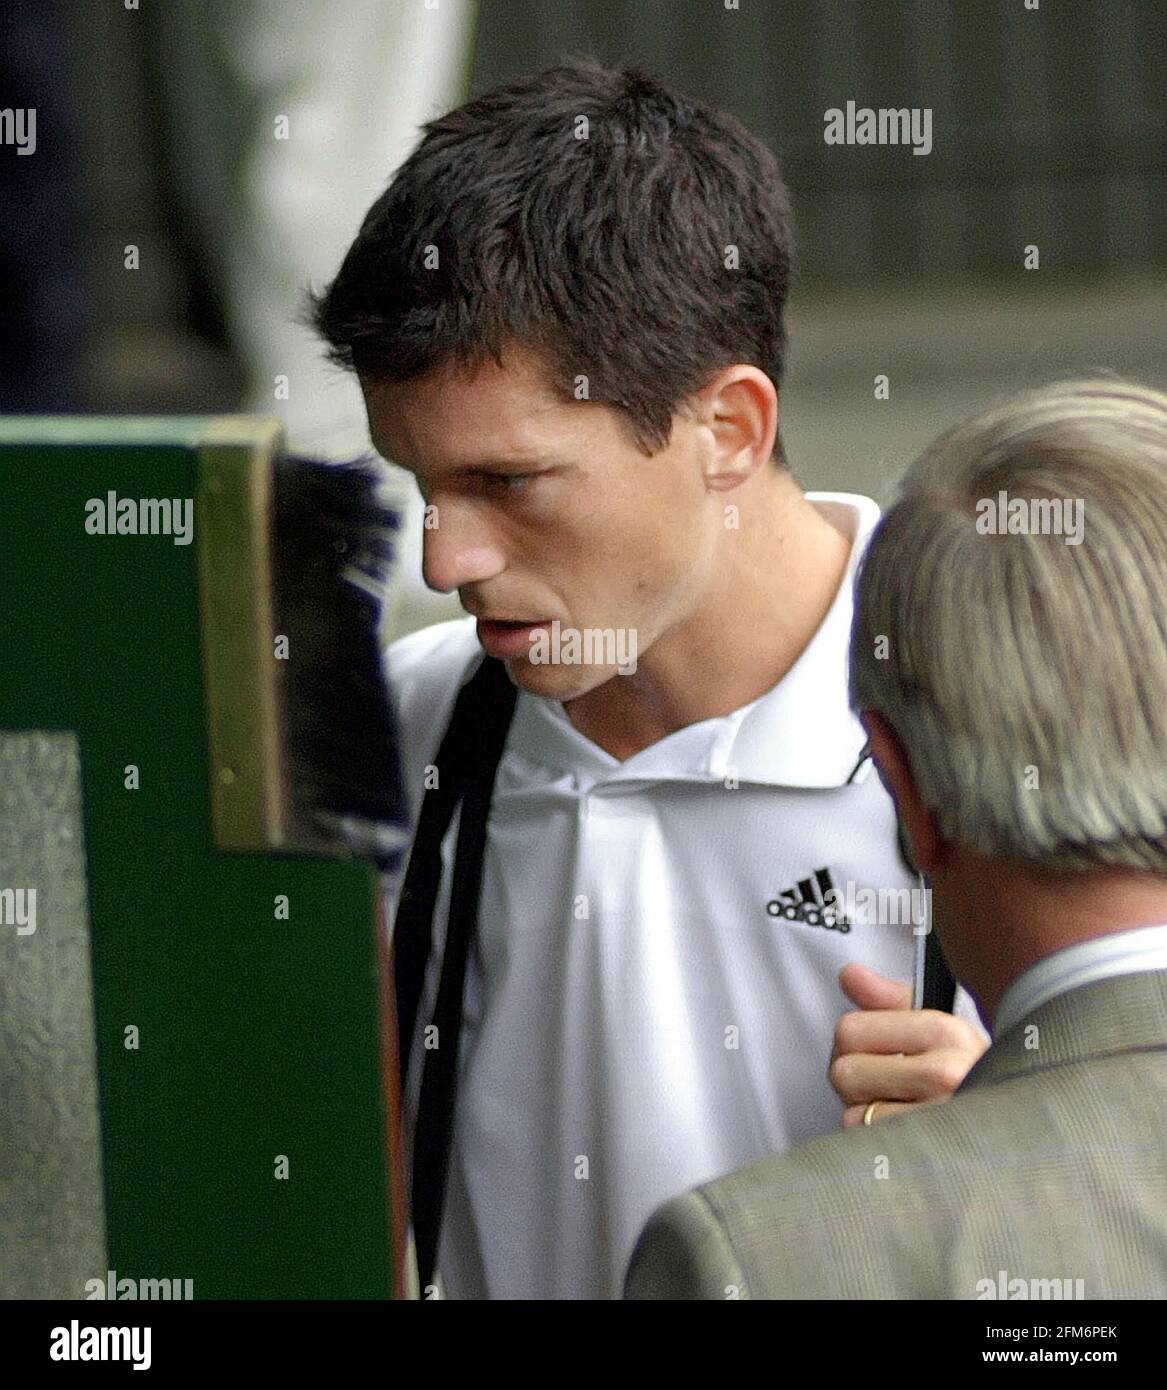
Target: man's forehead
<point>460,416</point>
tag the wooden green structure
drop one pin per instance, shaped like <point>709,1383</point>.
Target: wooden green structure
<point>195,1039</point>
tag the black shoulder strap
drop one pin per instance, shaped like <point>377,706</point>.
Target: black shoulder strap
<point>939,990</point>
<point>467,761</point>
<point>939,987</point>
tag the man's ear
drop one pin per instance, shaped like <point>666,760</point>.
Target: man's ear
<point>895,772</point>
<point>740,409</point>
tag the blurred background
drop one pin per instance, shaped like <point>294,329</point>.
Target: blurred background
<point>200,162</point>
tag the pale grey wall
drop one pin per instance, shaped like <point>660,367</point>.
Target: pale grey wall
<point>52,1208</point>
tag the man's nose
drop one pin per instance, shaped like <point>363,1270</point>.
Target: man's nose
<point>456,552</point>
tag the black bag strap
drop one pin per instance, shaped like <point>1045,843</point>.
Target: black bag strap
<point>467,762</point>
<point>939,985</point>
<point>939,990</point>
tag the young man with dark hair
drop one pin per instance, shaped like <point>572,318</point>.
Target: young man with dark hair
<point>566,315</point>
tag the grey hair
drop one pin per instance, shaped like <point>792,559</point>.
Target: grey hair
<point>1027,676</point>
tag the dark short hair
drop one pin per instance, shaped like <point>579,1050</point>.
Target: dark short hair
<point>607,254</point>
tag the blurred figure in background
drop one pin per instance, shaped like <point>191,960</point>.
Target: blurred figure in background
<point>42,291</point>
<point>291,117</point>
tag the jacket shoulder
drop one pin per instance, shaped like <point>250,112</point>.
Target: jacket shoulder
<point>926,1204</point>
<point>685,1253</point>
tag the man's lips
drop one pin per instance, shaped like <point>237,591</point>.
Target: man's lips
<point>508,636</point>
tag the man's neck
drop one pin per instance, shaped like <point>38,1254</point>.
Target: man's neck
<point>1014,918</point>
<point>780,577</point>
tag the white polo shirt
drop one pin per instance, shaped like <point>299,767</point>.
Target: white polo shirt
<point>647,1005</point>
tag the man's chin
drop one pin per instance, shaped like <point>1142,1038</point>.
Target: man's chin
<point>556,682</point>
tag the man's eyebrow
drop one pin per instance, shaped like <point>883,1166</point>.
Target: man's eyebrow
<point>496,465</point>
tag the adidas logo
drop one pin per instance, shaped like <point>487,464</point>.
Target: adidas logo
<point>814,901</point>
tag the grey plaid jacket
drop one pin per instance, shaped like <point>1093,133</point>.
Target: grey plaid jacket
<point>1048,1164</point>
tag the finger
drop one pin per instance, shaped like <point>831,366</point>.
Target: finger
<point>899,1030</point>
<point>860,1077</point>
<point>853,1115</point>
<point>868,989</point>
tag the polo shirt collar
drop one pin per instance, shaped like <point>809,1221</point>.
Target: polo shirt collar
<point>802,733</point>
